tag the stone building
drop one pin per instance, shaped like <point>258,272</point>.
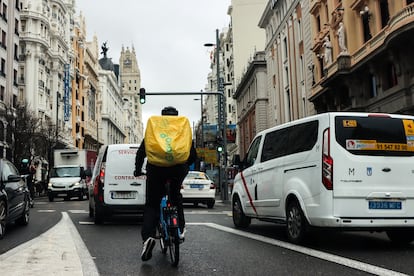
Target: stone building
<point>372,67</point>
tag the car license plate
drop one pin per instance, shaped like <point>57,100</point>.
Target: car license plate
<point>385,205</point>
<point>196,186</point>
<point>123,195</point>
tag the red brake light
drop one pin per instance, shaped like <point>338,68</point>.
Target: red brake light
<point>212,186</point>
<point>327,162</point>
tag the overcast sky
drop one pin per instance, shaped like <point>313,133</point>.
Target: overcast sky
<point>168,37</point>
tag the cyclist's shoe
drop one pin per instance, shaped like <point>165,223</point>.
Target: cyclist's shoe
<point>148,245</point>
<point>182,234</point>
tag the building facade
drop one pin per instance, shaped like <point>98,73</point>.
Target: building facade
<point>93,132</point>
<point>369,66</point>
<point>288,40</point>
<point>46,56</point>
<point>130,85</point>
<point>112,107</point>
<point>9,78</point>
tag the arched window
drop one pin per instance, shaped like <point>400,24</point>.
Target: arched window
<point>2,132</point>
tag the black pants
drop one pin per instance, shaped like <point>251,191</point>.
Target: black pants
<point>156,179</point>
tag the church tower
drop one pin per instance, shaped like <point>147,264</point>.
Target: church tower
<point>131,83</point>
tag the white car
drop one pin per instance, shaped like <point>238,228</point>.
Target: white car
<point>197,188</point>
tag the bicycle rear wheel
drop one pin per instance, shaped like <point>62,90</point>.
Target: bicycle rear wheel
<point>174,246</point>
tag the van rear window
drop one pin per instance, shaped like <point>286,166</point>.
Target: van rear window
<point>382,136</point>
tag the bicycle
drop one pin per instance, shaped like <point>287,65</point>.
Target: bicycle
<point>168,228</point>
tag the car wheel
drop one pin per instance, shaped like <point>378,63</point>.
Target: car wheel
<point>98,215</point>
<point>296,223</point>
<point>402,236</point>
<point>240,220</point>
<point>3,212</point>
<point>51,198</point>
<point>210,204</point>
<point>24,219</point>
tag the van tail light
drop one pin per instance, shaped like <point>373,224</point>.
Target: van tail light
<point>212,186</point>
<point>327,162</point>
<point>98,187</point>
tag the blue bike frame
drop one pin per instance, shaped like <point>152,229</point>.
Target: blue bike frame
<point>168,217</point>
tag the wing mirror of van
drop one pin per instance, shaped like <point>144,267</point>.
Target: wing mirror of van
<point>88,173</point>
<point>237,162</point>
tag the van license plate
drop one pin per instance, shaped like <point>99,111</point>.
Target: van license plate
<point>123,195</point>
<point>385,205</point>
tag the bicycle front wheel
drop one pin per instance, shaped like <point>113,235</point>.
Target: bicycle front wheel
<point>174,246</point>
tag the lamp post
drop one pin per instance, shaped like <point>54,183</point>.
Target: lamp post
<point>221,103</point>
<point>201,119</point>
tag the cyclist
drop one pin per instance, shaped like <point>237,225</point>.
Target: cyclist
<point>156,179</point>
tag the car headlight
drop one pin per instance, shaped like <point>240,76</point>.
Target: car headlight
<point>50,184</point>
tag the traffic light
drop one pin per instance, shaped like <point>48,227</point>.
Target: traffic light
<point>219,142</point>
<point>142,95</point>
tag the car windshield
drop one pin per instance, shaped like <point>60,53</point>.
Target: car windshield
<point>196,175</point>
<point>66,172</point>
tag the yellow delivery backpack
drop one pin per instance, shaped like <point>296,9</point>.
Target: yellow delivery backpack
<point>167,140</point>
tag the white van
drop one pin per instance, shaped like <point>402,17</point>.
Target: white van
<point>333,170</point>
<point>115,189</point>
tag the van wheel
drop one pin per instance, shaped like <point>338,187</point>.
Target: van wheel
<point>401,236</point>
<point>90,212</point>
<point>210,204</point>
<point>240,220</point>
<point>296,224</point>
<point>98,216</point>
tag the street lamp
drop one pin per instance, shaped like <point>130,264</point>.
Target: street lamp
<point>222,121</point>
<point>202,118</point>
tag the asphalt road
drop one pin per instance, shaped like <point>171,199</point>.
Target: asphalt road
<point>212,246</point>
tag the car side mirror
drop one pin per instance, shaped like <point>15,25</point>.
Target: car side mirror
<point>14,178</point>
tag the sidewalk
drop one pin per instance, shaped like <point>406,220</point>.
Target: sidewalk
<point>59,251</point>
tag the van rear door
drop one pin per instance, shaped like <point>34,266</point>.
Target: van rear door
<point>373,165</point>
<point>121,186</point>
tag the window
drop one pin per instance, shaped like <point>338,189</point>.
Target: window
<point>373,86</point>
<point>385,13</point>
<point>274,144</point>
<point>252,153</point>
<point>391,78</point>
<point>3,67</point>
<point>3,39</point>
<point>381,136</point>
<point>290,140</point>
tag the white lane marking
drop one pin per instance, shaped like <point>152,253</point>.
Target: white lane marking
<point>86,222</point>
<point>78,211</point>
<point>207,213</point>
<point>304,250</point>
<point>46,211</point>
